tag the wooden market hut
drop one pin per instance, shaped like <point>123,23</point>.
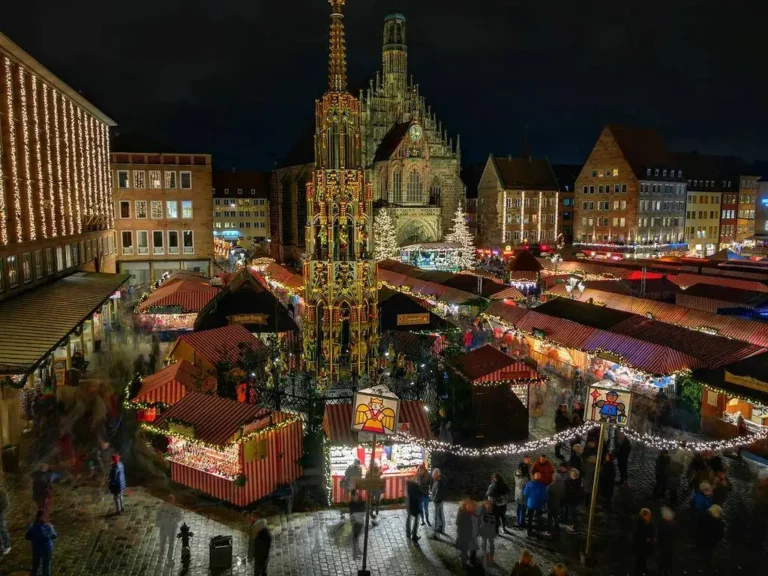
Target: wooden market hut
<point>175,304</point>
<point>232,451</point>
<point>398,311</point>
<point>165,387</point>
<point>523,268</point>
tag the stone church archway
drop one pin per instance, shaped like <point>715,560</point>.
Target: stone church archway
<point>415,231</point>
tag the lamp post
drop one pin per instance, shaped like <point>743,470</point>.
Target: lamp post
<point>575,287</point>
<point>556,259</point>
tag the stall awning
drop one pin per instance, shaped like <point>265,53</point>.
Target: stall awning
<point>187,295</point>
<point>172,383</point>
<point>34,323</point>
<point>337,422</point>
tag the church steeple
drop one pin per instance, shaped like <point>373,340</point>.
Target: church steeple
<point>394,53</point>
<point>337,65</point>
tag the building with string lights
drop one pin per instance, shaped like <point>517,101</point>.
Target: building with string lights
<point>340,291</point>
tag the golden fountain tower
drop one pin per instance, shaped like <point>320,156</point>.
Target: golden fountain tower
<point>340,292</point>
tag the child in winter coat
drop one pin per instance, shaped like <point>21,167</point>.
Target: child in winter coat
<point>466,532</point>
<point>487,519</point>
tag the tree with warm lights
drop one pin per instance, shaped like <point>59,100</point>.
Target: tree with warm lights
<point>384,237</point>
<point>461,235</point>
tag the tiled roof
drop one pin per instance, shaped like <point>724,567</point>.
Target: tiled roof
<point>172,383</point>
<point>285,276</point>
<point>510,293</point>
<point>727,294</point>
<point>252,184</point>
<point>560,330</point>
<point>523,262</point>
<point>526,173</point>
<point>642,148</point>
<point>486,360</point>
<point>391,141</point>
<point>646,356</point>
<point>217,420</point>
<point>191,295</point>
<point>583,313</point>
<point>507,312</point>
<point>337,422</point>
<point>222,344</point>
<point>687,280</point>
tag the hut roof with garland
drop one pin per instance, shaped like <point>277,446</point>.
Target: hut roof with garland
<point>489,364</point>
<point>182,295</point>
<point>172,383</point>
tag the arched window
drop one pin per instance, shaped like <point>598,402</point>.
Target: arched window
<point>414,190</point>
<point>383,186</point>
<point>397,187</point>
<point>434,193</point>
<point>333,145</point>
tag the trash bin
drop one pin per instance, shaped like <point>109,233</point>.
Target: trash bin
<point>221,552</point>
<point>10,458</point>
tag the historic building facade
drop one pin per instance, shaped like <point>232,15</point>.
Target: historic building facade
<point>340,290</point>
<point>412,164</point>
<point>241,206</point>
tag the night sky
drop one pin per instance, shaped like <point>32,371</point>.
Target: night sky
<point>237,78</point>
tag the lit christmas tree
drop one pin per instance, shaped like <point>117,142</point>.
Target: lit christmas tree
<point>461,235</point>
<point>384,239</point>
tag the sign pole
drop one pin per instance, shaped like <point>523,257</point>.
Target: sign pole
<point>364,571</point>
<point>595,483</point>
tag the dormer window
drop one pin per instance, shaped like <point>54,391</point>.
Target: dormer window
<point>665,173</point>
<point>656,172</point>
<point>648,172</point>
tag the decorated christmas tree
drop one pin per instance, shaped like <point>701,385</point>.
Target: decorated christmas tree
<point>384,239</point>
<point>461,235</point>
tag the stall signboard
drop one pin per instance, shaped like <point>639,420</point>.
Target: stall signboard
<point>248,319</point>
<point>375,411</point>
<point>610,356</point>
<point>413,319</point>
<point>746,381</point>
<point>607,403</point>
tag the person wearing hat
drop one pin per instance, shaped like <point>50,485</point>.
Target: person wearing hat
<point>41,534</point>
<point>116,482</point>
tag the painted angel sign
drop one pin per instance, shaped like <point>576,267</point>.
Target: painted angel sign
<point>375,411</point>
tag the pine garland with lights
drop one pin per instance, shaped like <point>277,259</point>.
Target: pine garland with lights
<point>384,237</point>
<point>461,235</point>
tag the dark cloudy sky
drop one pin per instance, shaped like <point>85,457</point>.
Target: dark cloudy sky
<point>237,78</point>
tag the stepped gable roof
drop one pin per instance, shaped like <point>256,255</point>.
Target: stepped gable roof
<point>525,173</point>
<point>643,148</point>
<point>391,141</point>
<point>524,262</point>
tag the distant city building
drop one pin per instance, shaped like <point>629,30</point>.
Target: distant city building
<point>241,206</point>
<point>761,210</point>
<point>566,175</point>
<point>55,192</point>
<point>163,213</point>
<point>411,163</point>
<point>517,204</point>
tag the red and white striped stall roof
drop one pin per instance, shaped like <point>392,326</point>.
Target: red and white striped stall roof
<point>489,364</point>
<point>190,295</point>
<point>172,383</point>
<point>222,344</point>
<point>337,422</point>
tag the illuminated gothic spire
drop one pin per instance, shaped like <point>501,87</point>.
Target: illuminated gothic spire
<point>337,73</point>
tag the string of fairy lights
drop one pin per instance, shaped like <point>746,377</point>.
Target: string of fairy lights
<point>31,229</point>
<point>50,201</point>
<point>38,157</point>
<point>14,175</point>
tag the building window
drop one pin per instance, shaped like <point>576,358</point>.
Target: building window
<point>157,209</point>
<point>154,179</point>
<point>186,209</point>
<point>126,237</point>
<point>139,179</point>
<point>172,209</point>
<point>186,180</point>
<point>173,242</point>
<point>188,242</point>
<point>13,272</point>
<point>170,180</point>
<point>615,171</point>
<point>75,254</point>
<point>123,180</point>
<point>49,260</point>
<point>397,186</point>
<point>83,255</point>
<point>68,255</point>
<point>125,209</point>
<point>26,267</point>
<point>59,259</point>
<point>141,209</point>
<point>240,191</point>
<point>142,242</point>
<point>157,242</point>
<point>38,264</point>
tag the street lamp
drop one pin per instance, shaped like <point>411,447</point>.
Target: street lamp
<point>575,287</point>
<point>556,259</point>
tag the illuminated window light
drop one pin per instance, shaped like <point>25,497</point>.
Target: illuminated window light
<point>67,163</point>
<point>14,176</point>
<point>57,148</point>
<point>38,157</point>
<point>75,182</point>
<point>32,231</point>
<point>49,156</point>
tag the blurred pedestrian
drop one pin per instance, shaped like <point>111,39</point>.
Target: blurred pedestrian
<point>710,532</point>
<point>527,465</point>
<point>702,500</point>
<point>607,480</point>
<point>575,460</point>
<point>644,541</point>
<point>741,431</point>
<point>488,531</point>
<point>348,484</point>
<point>116,482</point>
<point>562,422</point>
<point>667,534</point>
<point>521,479</point>
<point>169,517</point>
<point>559,570</point>
<point>498,496</point>
<point>41,534</point>
<point>424,479</point>
<point>660,472</point>
<point>446,435</point>
<point>357,520</point>
<point>573,495</point>
<point>42,488</point>
<point>674,472</point>
<point>535,494</point>
<point>544,468</point>
<point>555,502</point>
<point>466,532</point>
<point>5,508</point>
<point>413,506</point>
<point>437,493</point>
<point>525,566</point>
<point>375,473</point>
<point>622,457</point>
<point>721,488</point>
<point>261,539</point>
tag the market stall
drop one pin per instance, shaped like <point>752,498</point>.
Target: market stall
<point>236,452</point>
<point>398,460</point>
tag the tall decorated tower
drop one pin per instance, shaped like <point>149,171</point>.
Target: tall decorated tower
<point>340,292</point>
<point>394,55</point>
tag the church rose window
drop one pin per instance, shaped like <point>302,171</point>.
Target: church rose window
<point>414,190</point>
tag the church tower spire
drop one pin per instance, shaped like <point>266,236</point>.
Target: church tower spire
<point>394,53</point>
<point>337,65</point>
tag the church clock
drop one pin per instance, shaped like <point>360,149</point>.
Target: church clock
<point>415,132</point>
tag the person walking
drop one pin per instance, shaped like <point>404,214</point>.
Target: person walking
<point>674,472</point>
<point>535,494</point>
<point>116,482</point>
<point>357,520</point>
<point>588,470</point>
<point>488,530</point>
<point>525,566</point>
<point>555,502</point>
<point>573,495</point>
<point>562,422</point>
<point>413,495</point>
<point>352,474</point>
<point>710,532</point>
<point>498,496</point>
<point>521,479</point>
<point>644,541</point>
<point>622,457</point>
<point>375,472</point>
<point>424,479</point>
<point>446,435</point>
<point>168,518</point>
<point>702,500</point>
<point>607,481</point>
<point>437,494</point>
<point>261,544</point>
<point>42,488</point>
<point>466,533</point>
<point>742,432</point>
<point>575,461</point>
<point>544,468</point>
<point>721,488</point>
<point>5,508</point>
<point>667,542</point>
<point>660,472</point>
<point>41,534</point>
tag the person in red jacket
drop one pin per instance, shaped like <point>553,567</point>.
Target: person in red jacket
<point>544,467</point>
